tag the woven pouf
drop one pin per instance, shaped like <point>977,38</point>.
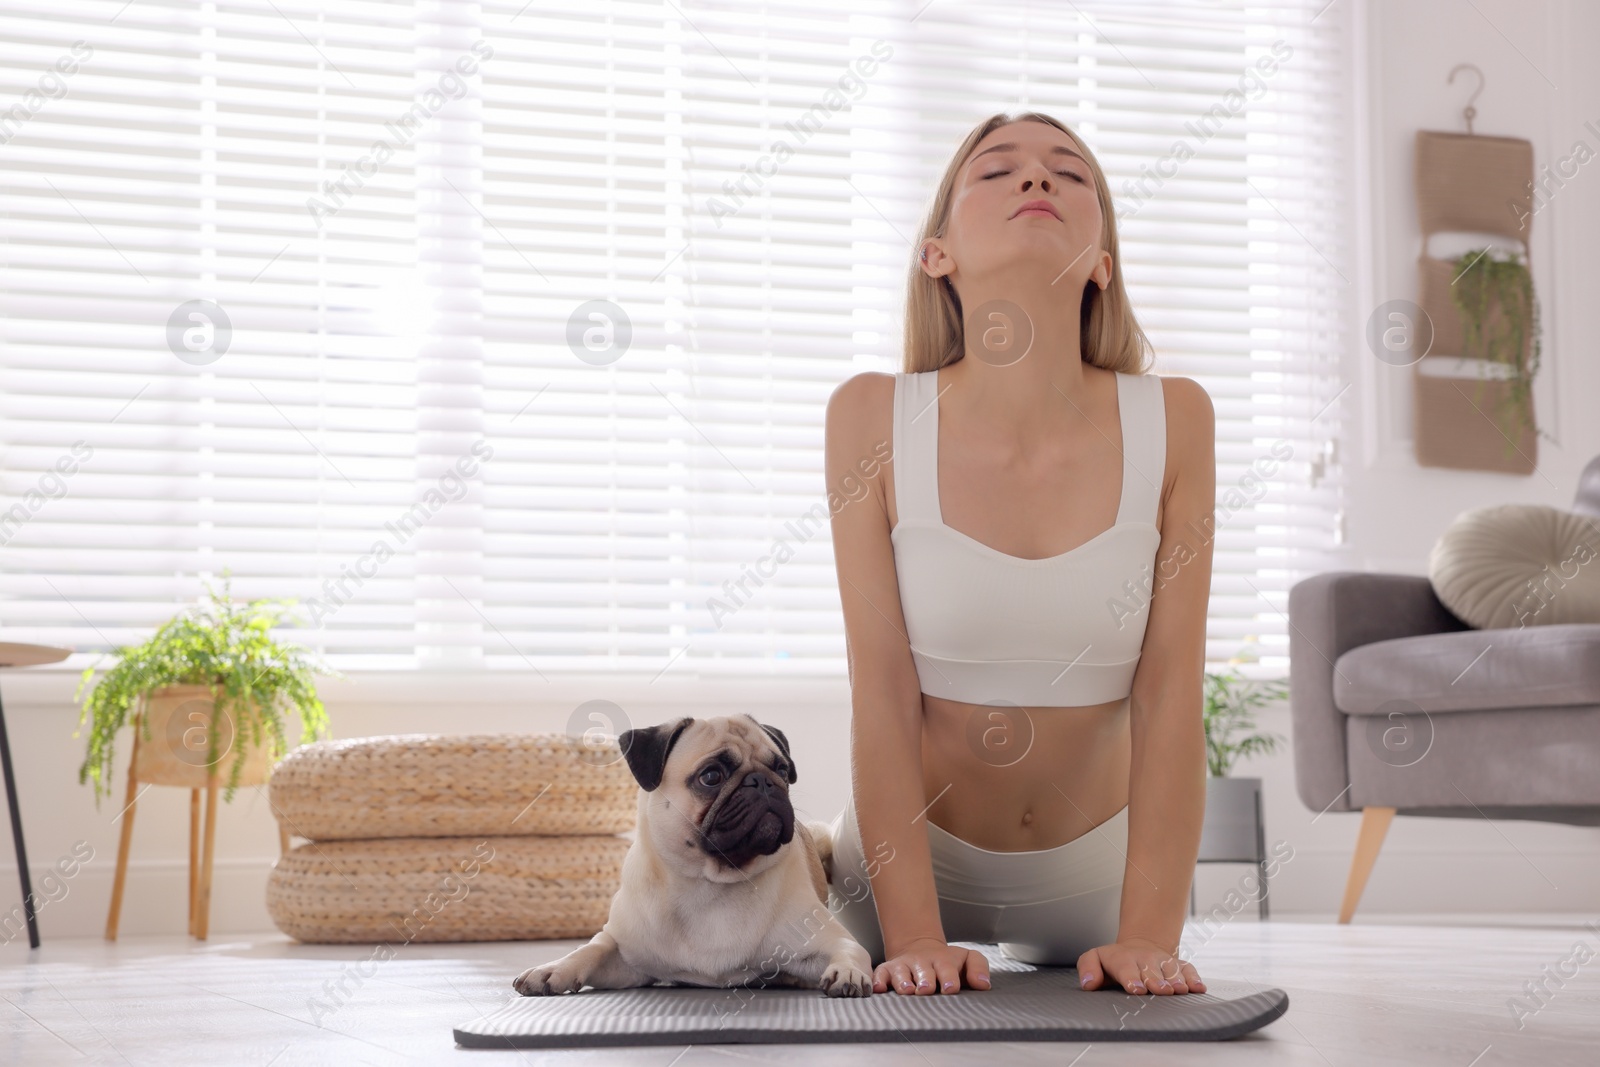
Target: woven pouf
<point>453,785</point>
<point>445,889</point>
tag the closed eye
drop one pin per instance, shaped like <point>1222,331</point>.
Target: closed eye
<point>1064,173</point>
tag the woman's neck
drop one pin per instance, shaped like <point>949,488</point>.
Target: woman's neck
<point>1022,368</point>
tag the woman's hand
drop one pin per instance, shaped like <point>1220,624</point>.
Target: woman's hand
<point>928,965</point>
<point>1139,966</point>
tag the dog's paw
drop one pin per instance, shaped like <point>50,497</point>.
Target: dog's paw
<point>548,979</point>
<point>845,979</point>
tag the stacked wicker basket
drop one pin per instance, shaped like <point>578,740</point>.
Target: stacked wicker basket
<point>428,837</point>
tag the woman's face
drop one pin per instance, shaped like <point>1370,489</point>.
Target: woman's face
<point>988,230</point>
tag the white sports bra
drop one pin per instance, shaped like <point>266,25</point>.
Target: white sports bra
<point>989,628</point>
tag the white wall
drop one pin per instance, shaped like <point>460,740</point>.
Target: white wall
<point>1395,511</point>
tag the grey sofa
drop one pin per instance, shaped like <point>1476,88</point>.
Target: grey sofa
<point>1399,707</point>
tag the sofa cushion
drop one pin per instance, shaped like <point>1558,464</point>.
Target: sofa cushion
<point>1471,670</point>
<point>1519,565</point>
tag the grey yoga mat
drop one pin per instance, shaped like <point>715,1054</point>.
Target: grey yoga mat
<point>1023,1003</point>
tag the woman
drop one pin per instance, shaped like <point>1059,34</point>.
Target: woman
<point>1024,597</point>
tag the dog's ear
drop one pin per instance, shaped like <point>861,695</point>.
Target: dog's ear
<point>783,743</point>
<point>647,749</point>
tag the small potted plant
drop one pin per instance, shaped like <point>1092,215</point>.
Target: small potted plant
<point>1233,831</point>
<point>211,680</point>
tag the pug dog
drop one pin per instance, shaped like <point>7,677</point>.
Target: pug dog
<point>721,886</point>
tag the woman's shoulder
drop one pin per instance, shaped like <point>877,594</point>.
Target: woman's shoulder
<point>860,415</point>
<point>861,398</point>
<point>1186,401</point>
<point>1191,425</point>
<point>858,440</point>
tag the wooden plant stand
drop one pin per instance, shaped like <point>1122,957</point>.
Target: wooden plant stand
<point>164,770</point>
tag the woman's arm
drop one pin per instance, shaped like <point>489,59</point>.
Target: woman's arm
<point>885,697</point>
<point>1167,786</point>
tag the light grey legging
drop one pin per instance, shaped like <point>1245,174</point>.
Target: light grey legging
<point>1045,906</point>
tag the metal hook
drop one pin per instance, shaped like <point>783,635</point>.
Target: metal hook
<point>1469,112</point>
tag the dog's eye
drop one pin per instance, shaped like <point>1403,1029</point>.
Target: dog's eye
<point>711,776</point>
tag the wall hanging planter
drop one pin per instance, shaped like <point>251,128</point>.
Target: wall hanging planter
<point>1473,401</point>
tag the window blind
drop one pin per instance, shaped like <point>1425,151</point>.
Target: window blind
<point>500,335</point>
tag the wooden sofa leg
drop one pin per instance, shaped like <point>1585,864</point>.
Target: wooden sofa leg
<point>1374,825</point>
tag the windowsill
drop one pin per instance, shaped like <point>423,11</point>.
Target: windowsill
<point>42,685</point>
<point>528,689</point>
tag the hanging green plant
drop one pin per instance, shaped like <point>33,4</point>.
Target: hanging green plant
<point>219,644</point>
<point>1484,284</point>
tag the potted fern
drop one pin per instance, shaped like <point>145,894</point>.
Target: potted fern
<point>1233,830</point>
<point>210,681</point>
<point>1500,323</point>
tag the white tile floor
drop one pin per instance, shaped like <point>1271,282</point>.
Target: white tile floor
<point>1378,992</point>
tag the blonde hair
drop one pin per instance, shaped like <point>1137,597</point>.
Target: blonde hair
<point>1109,336</point>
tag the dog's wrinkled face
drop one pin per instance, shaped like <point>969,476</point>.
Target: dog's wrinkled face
<point>719,793</point>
